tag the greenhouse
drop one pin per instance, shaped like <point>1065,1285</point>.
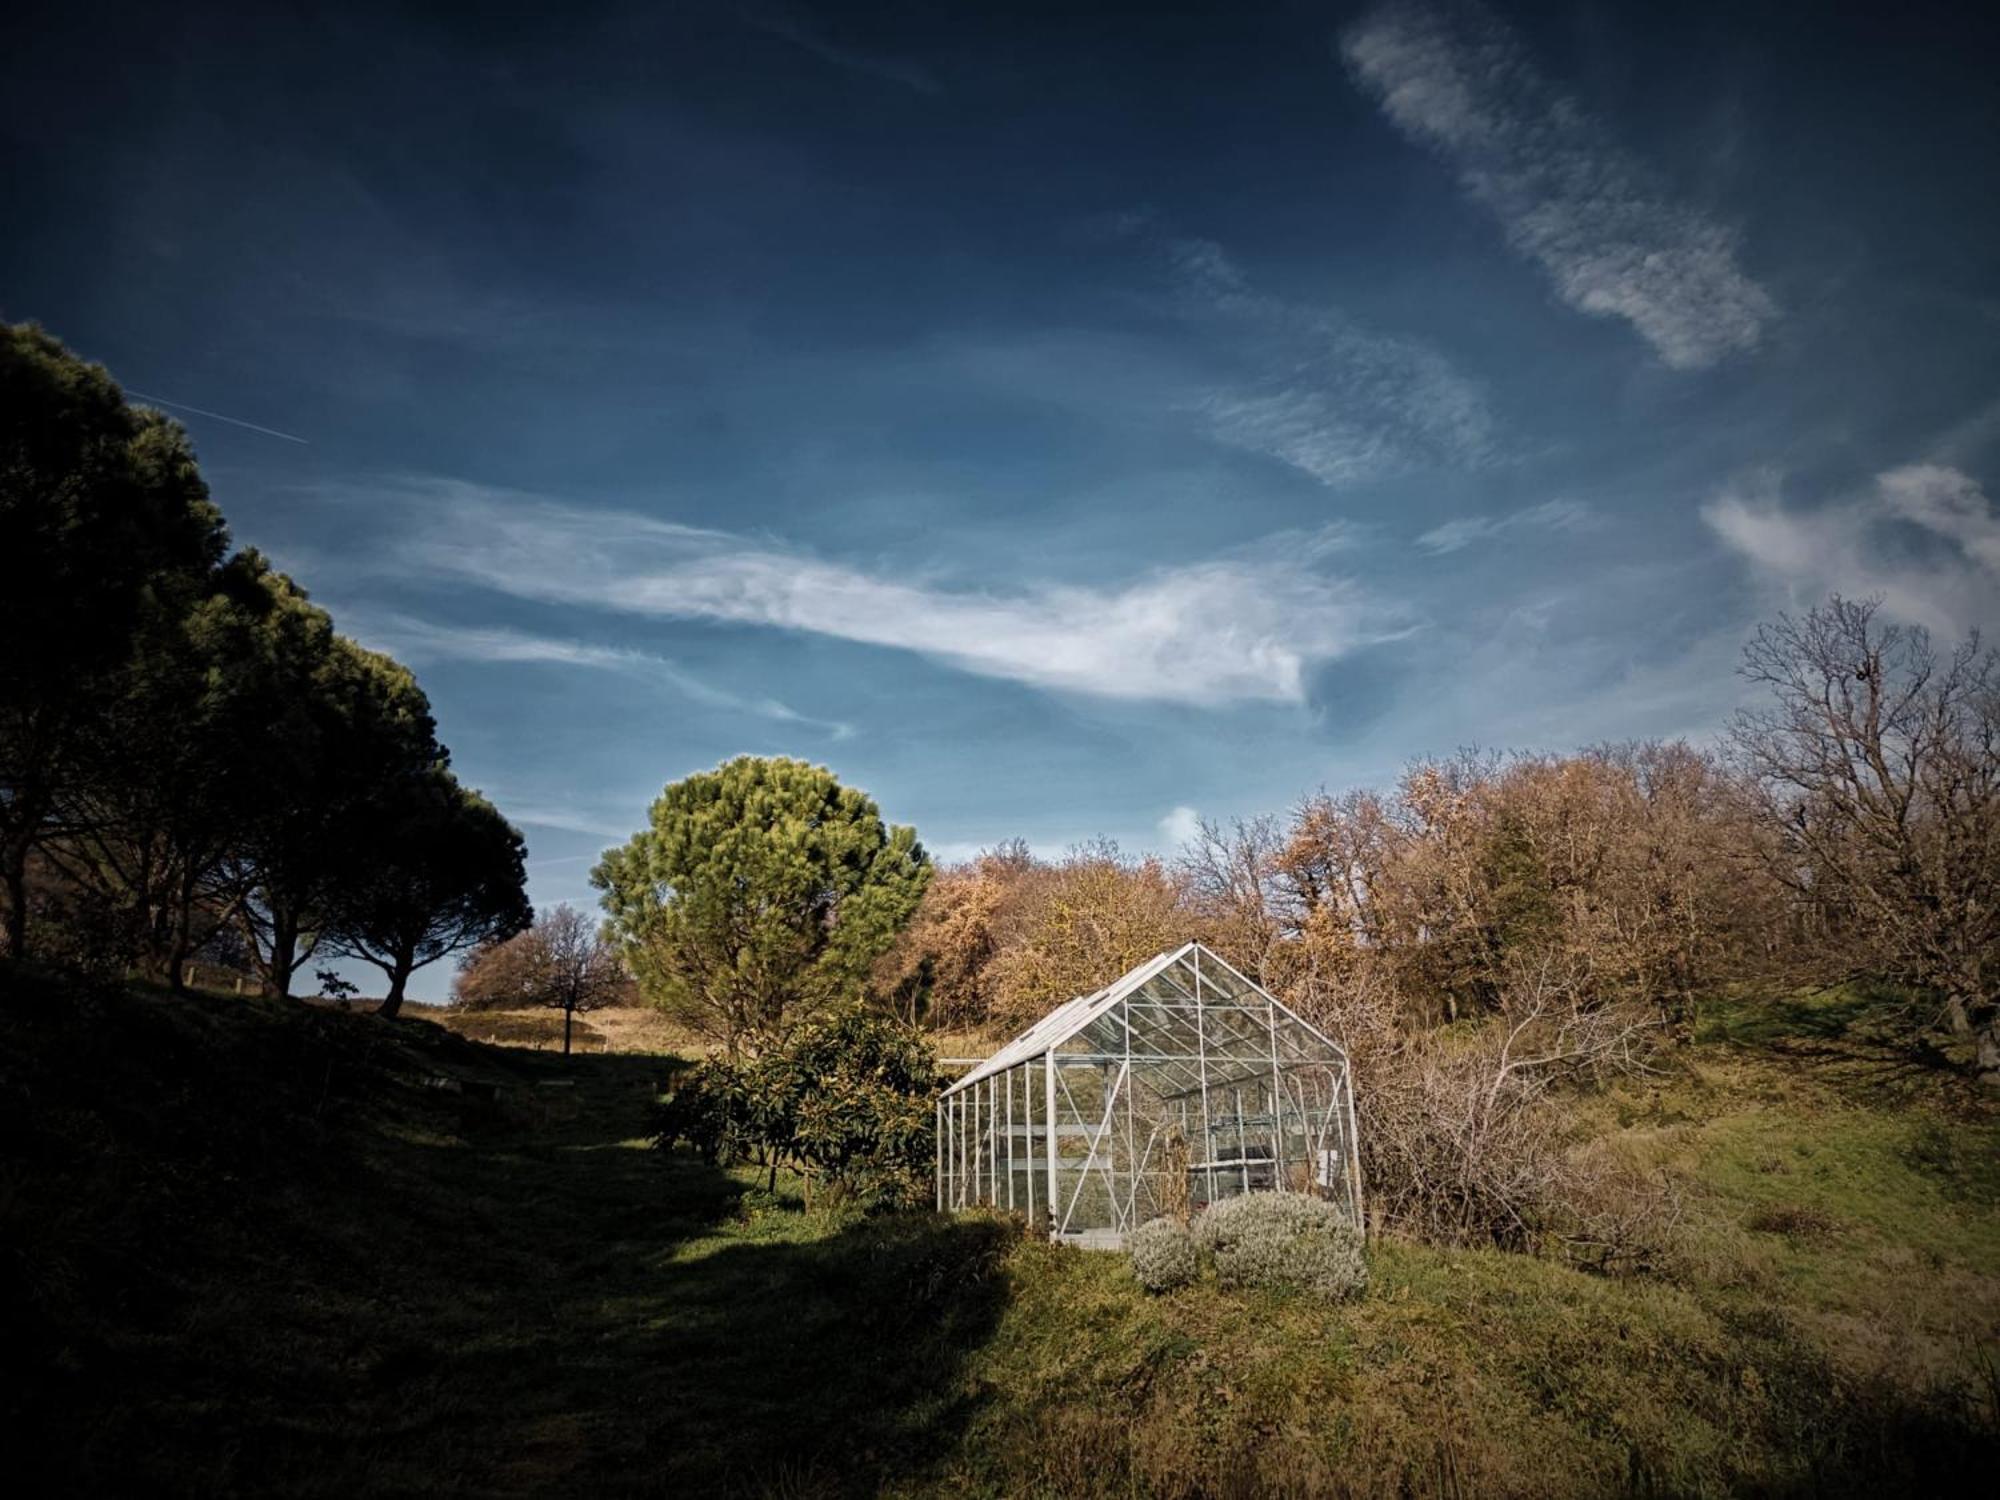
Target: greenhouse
<point>1180,1084</point>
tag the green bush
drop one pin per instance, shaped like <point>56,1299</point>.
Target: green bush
<point>846,1102</point>
<point>1163,1255</point>
<point>1287,1240</point>
<point>704,1108</point>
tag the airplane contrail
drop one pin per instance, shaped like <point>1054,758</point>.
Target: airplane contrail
<point>203,412</point>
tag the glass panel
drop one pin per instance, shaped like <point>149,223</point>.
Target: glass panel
<point>1218,983</point>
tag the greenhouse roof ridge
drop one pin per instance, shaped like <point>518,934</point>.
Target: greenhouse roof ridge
<point>1074,1014</point>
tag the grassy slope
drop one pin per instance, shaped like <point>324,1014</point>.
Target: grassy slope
<point>1829,1323</point>
<point>249,1250</point>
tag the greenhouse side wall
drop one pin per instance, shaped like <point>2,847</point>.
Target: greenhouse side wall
<point>1182,1085</point>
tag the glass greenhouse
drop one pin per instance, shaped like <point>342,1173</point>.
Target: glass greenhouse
<point>1178,1085</point>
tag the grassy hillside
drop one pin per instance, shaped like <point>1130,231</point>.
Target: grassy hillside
<point>254,1247</point>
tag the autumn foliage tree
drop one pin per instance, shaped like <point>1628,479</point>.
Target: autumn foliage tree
<point>1073,926</point>
<point>939,970</point>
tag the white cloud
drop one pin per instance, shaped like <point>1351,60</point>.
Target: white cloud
<point>422,640</point>
<point>1551,515</point>
<point>1180,827</point>
<point>1949,503</point>
<point>1940,570</point>
<point>1248,626</point>
<point>1323,394</point>
<point>1567,196</point>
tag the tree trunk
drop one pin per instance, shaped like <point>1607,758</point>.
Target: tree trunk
<point>177,957</point>
<point>1974,1020</point>
<point>392,1003</point>
<point>181,920</point>
<point>567,1013</point>
<point>15,877</point>
<point>284,958</point>
<point>1986,1050</point>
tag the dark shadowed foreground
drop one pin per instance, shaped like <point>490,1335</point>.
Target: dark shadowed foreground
<point>254,1247</point>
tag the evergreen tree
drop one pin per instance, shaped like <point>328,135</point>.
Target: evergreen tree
<point>760,892</point>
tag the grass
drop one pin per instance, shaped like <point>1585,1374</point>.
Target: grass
<point>622,1028</point>
<point>254,1247</point>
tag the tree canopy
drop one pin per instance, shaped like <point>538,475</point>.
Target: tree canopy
<point>106,529</point>
<point>759,893</point>
<point>192,757</point>
<point>449,873</point>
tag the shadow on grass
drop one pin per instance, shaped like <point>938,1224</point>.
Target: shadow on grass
<point>1867,1035</point>
<point>270,1251</point>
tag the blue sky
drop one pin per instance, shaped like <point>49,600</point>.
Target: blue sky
<point>1061,421</point>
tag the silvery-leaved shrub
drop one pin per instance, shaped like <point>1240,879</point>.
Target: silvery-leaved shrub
<point>1163,1255</point>
<point>1287,1240</point>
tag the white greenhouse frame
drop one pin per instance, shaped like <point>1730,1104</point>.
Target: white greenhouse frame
<point>1180,1084</point>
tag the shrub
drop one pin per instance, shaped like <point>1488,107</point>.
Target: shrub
<point>1284,1240</point>
<point>704,1109</point>
<point>1163,1255</point>
<point>846,1102</point>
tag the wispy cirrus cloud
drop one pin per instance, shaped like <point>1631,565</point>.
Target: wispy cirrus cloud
<point>1319,391</point>
<point>1926,539</point>
<point>564,819</point>
<point>1551,515</point>
<point>424,640</point>
<point>1591,215</point>
<point>1245,627</point>
<point>791,24</point>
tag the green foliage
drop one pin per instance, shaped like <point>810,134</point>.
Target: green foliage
<point>1283,1240</point>
<point>350,724</point>
<point>106,532</point>
<point>197,772</point>
<point>189,744</point>
<point>854,1094</point>
<point>759,893</point>
<point>846,1101</point>
<point>1163,1255</point>
<point>706,1108</point>
<point>449,872</point>
<point>1523,916</point>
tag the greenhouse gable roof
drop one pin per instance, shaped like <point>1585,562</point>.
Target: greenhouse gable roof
<point>1072,1016</point>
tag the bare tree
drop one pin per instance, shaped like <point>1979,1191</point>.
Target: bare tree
<point>573,969</point>
<point>1230,877</point>
<point>1463,1136</point>
<point>561,962</point>
<point>1879,764</point>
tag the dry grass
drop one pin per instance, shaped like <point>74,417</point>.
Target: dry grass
<point>623,1029</point>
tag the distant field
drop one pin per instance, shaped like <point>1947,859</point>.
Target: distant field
<point>638,1028</point>
<point>256,1247</point>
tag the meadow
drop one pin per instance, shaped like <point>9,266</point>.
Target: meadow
<point>261,1247</point>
